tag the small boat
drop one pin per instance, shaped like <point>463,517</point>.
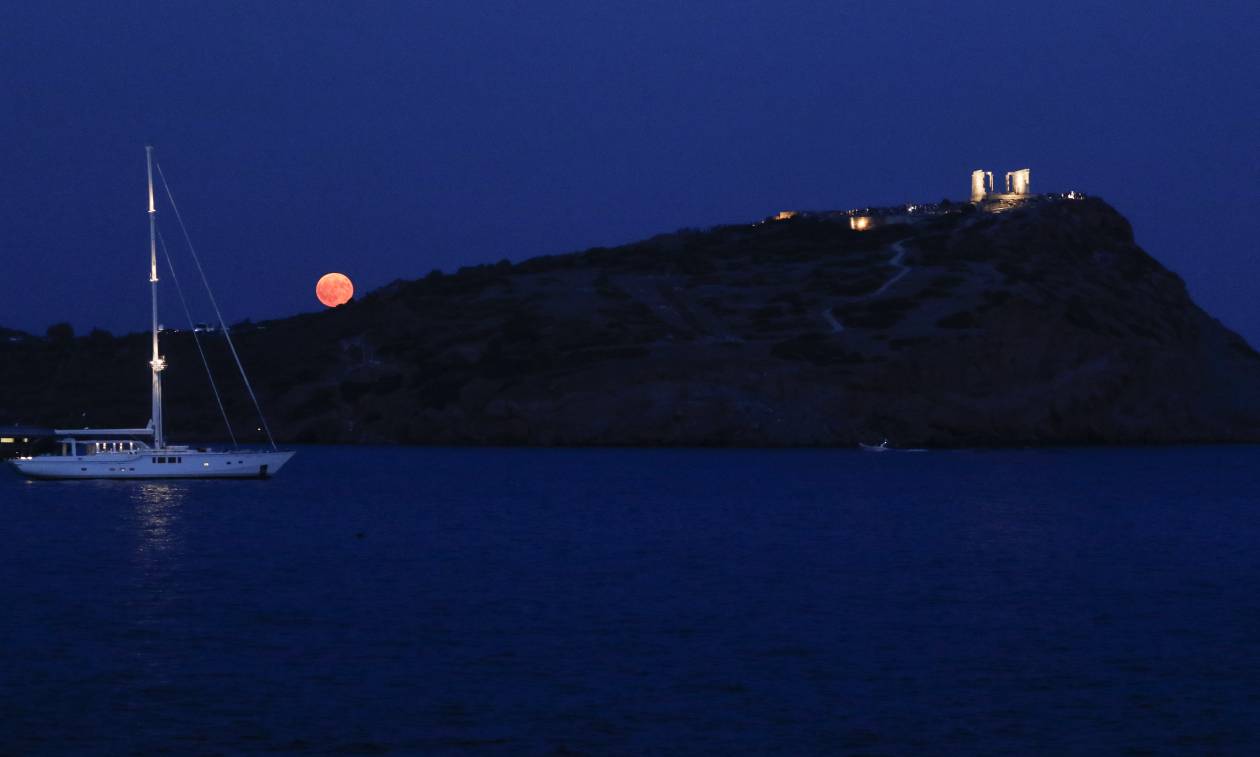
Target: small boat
<point>883,447</point>
<point>124,453</point>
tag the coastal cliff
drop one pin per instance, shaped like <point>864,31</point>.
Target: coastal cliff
<point>1043,324</point>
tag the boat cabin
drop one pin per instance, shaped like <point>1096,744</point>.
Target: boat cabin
<point>88,442</point>
<point>72,447</point>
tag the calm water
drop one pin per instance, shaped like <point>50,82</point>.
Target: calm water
<point>420,601</point>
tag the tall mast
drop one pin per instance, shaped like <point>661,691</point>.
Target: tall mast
<point>157,363</point>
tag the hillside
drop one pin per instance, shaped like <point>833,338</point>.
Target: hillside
<point>1044,324</point>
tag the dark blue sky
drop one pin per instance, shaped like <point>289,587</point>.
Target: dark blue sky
<point>388,139</point>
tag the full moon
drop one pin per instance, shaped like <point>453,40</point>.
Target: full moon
<point>334,289</point>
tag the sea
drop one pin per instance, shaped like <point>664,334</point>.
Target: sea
<point>411,600</point>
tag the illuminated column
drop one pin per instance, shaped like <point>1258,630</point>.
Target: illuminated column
<point>1021,181</point>
<point>977,185</point>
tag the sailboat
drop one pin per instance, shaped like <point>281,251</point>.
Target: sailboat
<point>124,453</point>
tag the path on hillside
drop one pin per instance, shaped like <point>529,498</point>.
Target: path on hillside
<point>899,254</point>
<point>673,305</point>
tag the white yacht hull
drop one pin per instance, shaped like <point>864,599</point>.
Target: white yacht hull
<point>155,464</point>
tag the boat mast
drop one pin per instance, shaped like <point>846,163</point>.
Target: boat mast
<point>157,363</point>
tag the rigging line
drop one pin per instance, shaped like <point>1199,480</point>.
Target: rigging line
<point>170,266</point>
<point>222,324</point>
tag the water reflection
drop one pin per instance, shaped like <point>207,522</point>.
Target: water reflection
<point>157,507</point>
<point>153,605</point>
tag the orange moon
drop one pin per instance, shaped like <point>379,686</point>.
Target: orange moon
<point>334,289</point>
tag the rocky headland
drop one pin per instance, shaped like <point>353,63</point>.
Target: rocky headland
<point>1043,324</point>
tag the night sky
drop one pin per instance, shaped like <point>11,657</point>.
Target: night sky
<point>385,140</point>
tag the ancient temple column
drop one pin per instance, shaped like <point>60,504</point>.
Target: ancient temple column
<point>977,185</point>
<point>1017,182</point>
